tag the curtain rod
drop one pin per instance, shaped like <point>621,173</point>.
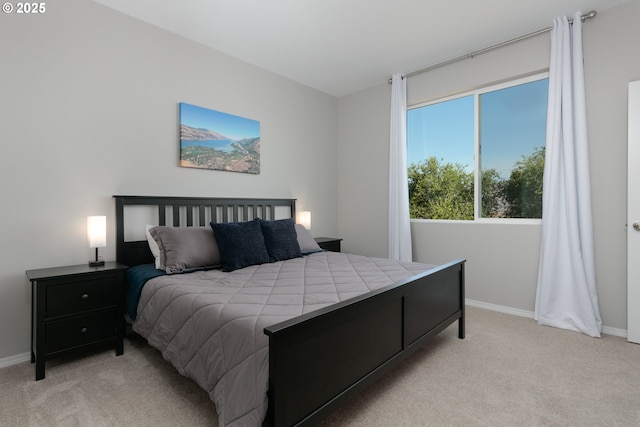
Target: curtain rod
<point>583,18</point>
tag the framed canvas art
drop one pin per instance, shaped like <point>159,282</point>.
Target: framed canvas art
<point>214,140</point>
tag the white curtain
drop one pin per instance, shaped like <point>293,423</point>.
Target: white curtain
<point>399,221</point>
<point>566,296</point>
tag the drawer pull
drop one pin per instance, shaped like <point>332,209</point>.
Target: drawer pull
<point>84,330</point>
<point>85,296</point>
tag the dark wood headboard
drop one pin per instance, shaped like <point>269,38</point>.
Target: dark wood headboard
<point>189,211</point>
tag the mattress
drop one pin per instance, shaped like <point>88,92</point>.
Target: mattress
<point>209,324</point>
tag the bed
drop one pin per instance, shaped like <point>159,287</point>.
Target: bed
<point>306,360</point>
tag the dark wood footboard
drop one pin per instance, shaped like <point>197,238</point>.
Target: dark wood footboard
<point>318,360</point>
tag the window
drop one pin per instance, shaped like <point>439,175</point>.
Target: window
<point>479,155</point>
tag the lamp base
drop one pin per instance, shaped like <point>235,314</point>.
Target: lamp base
<point>96,262</point>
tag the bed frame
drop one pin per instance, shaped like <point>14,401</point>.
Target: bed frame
<point>319,360</point>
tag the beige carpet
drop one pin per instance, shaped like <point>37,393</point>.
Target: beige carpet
<point>507,372</point>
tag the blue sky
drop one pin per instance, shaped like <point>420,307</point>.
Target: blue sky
<point>512,124</point>
<point>443,130</point>
<point>231,126</point>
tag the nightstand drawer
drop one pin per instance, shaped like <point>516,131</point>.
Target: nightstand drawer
<point>76,331</point>
<point>82,295</point>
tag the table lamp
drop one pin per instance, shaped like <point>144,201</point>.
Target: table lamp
<point>97,231</point>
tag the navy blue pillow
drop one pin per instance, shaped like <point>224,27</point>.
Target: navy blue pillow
<point>281,239</point>
<point>241,244</point>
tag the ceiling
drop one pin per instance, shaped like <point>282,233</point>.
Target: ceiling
<point>343,46</point>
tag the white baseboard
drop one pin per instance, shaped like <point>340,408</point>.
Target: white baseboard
<point>19,358</point>
<point>499,308</point>
<point>614,331</point>
<point>529,314</point>
<point>14,360</point>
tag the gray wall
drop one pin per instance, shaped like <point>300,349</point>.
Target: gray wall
<point>89,109</point>
<point>502,259</point>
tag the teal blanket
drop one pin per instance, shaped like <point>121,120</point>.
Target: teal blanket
<point>136,278</point>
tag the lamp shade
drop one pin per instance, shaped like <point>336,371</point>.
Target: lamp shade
<point>97,231</point>
<point>304,219</point>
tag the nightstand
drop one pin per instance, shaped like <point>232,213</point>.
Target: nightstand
<point>329,243</point>
<point>75,307</point>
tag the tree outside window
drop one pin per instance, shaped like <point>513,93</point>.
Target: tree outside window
<point>490,140</point>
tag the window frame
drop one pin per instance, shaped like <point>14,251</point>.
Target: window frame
<point>478,149</point>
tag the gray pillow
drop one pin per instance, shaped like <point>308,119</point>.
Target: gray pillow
<point>184,249</point>
<point>306,241</point>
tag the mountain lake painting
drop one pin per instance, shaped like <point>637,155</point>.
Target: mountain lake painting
<point>219,141</point>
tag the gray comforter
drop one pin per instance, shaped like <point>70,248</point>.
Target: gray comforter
<point>209,324</point>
